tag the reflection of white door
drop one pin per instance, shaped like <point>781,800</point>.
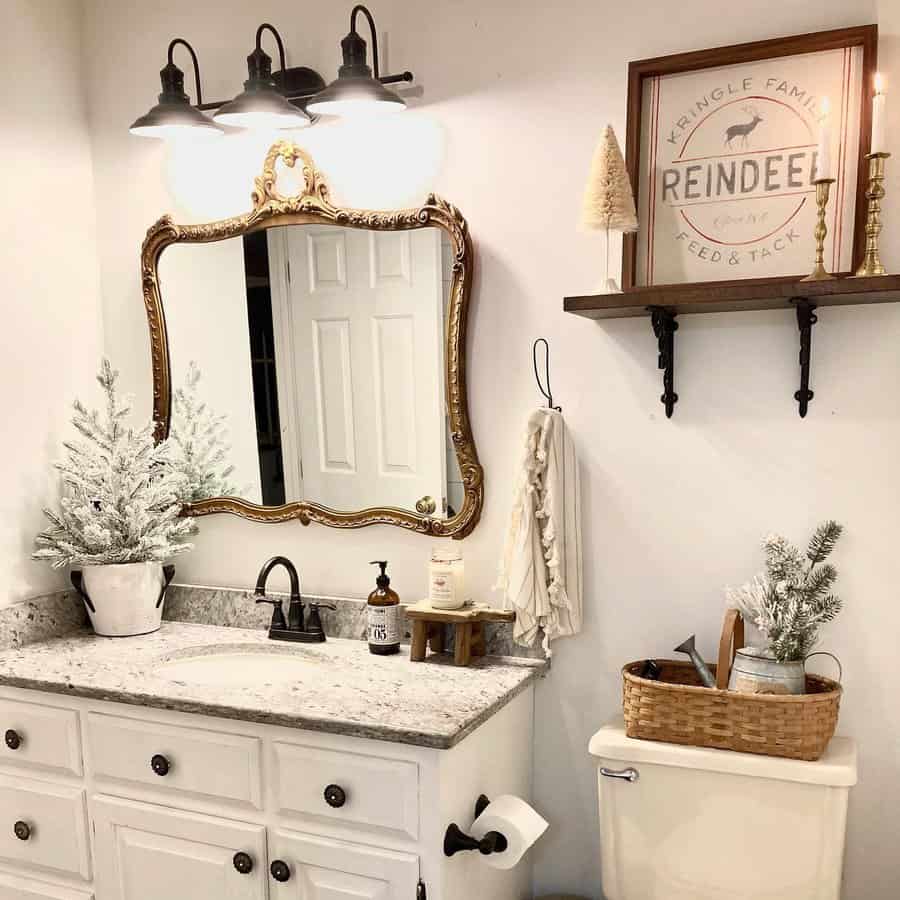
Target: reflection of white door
<point>366,329</point>
<point>326,869</point>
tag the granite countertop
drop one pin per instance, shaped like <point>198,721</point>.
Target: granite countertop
<point>344,690</point>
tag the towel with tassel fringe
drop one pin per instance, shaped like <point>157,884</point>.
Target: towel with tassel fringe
<point>540,573</point>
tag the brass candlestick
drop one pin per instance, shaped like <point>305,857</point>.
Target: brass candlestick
<point>823,189</point>
<point>871,264</point>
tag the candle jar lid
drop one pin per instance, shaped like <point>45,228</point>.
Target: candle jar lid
<point>445,553</point>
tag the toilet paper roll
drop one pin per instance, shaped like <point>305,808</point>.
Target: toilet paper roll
<point>516,821</point>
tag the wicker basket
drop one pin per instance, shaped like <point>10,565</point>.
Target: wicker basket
<point>678,709</point>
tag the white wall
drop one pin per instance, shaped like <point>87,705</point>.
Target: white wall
<point>673,509</point>
<point>48,261</point>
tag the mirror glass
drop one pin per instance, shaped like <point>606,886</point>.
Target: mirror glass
<point>308,363</point>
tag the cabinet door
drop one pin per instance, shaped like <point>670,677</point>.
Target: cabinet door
<point>326,869</point>
<point>146,852</point>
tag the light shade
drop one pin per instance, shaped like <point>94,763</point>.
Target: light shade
<point>355,91</point>
<point>261,104</point>
<point>173,115</point>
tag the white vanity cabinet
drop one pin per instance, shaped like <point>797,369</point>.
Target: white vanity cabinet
<point>123,802</point>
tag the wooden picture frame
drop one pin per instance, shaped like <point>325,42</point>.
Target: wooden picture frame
<point>744,74</point>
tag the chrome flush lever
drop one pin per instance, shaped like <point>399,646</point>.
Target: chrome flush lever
<point>631,775</point>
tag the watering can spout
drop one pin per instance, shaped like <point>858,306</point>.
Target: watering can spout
<point>689,647</point>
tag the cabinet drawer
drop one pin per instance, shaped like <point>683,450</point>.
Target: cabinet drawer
<point>53,826</point>
<point>170,758</point>
<point>39,737</point>
<point>378,793</point>
<point>13,887</point>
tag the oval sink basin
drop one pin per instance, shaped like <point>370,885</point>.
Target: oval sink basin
<point>236,666</point>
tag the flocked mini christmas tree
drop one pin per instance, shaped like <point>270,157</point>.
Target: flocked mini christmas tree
<point>793,598</point>
<point>199,444</point>
<point>608,198</point>
<point>120,492</point>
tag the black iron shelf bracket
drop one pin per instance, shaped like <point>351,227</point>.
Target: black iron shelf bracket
<point>664,328</point>
<point>806,318</point>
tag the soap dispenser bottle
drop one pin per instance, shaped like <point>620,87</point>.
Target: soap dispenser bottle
<point>383,615</point>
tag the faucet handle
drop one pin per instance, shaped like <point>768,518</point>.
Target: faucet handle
<point>314,621</point>
<point>278,620</point>
<point>320,604</point>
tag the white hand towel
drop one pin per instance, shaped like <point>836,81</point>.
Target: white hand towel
<point>540,573</point>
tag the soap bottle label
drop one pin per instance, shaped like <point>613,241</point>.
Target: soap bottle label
<point>384,625</point>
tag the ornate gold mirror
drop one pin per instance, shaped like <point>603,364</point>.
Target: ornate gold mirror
<point>309,360</point>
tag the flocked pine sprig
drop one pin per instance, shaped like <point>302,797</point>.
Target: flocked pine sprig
<point>119,500</point>
<point>793,599</point>
<point>200,447</point>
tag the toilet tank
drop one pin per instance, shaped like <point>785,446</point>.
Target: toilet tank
<point>704,824</point>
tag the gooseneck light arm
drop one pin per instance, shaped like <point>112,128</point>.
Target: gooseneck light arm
<point>359,8</point>
<point>274,32</point>
<point>190,50</point>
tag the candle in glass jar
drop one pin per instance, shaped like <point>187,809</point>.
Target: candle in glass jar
<point>823,157</point>
<point>878,116</point>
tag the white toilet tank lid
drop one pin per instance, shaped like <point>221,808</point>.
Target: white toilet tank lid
<point>836,768</point>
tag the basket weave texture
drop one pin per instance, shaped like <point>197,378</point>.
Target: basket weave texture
<point>679,709</point>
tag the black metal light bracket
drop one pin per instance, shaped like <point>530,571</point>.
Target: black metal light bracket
<point>806,318</point>
<point>455,840</point>
<point>664,328</point>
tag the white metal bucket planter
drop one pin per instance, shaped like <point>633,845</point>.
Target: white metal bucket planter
<point>124,599</point>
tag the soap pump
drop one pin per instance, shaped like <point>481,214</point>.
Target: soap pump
<point>383,615</point>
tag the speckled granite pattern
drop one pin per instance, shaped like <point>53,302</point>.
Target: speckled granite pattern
<point>234,607</point>
<point>41,618</point>
<point>347,690</point>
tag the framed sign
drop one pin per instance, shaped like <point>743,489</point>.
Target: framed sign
<point>721,147</point>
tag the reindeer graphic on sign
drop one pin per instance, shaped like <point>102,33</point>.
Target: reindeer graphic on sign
<point>743,129</point>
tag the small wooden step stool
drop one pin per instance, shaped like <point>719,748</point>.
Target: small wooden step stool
<point>468,621</point>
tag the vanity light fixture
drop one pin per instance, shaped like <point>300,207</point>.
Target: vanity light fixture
<point>276,99</point>
<point>262,104</point>
<point>173,115</point>
<point>357,90</point>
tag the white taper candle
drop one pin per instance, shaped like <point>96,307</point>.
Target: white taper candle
<point>823,158</point>
<point>878,116</point>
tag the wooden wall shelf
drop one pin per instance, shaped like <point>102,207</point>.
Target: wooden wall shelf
<point>663,303</point>
<point>713,296</point>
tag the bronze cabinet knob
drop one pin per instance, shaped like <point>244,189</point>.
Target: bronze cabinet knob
<point>280,870</point>
<point>335,796</point>
<point>13,739</point>
<point>243,862</point>
<point>160,765</point>
<point>22,830</point>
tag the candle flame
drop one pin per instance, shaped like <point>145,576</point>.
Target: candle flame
<point>879,83</point>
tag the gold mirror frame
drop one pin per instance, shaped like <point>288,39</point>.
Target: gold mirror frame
<point>312,206</point>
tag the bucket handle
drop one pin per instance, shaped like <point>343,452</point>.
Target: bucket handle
<point>731,641</point>
<point>826,653</point>
<point>77,580</point>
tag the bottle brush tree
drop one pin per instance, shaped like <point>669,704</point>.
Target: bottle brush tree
<point>608,197</point>
<point>120,492</point>
<point>793,597</point>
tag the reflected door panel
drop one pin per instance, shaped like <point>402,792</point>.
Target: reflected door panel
<point>363,318</point>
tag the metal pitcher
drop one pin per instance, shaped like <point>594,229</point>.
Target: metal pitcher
<point>755,672</point>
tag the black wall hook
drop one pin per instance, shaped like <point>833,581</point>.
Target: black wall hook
<point>806,318</point>
<point>664,327</point>
<point>455,840</point>
<point>548,393</point>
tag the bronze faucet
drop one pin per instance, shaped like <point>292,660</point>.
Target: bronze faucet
<point>292,628</point>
